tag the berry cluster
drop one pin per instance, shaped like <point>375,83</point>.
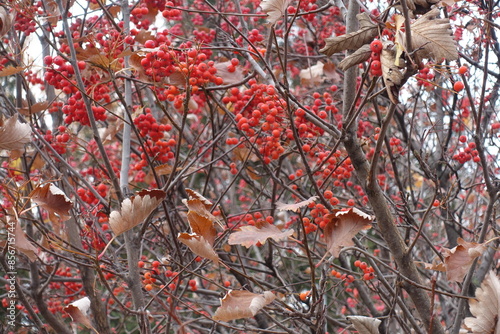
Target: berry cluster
<point>376,47</point>
<point>369,272</point>
<point>468,153</point>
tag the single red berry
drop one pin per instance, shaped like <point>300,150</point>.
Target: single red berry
<point>436,203</point>
<point>462,70</point>
<point>462,138</point>
<point>376,46</point>
<point>458,86</point>
<point>328,194</point>
<point>350,202</point>
<point>357,263</point>
<point>376,65</point>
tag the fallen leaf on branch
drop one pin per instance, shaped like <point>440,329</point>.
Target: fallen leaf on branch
<point>54,200</point>
<point>353,40</point>
<point>239,304</point>
<point>458,260</point>
<point>134,210</point>
<point>365,325</point>
<point>14,134</point>
<point>342,227</point>
<point>274,9</point>
<point>431,37</point>
<point>485,307</point>
<point>78,312</point>
<point>295,207</point>
<point>251,235</point>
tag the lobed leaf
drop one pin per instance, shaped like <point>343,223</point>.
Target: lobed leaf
<point>432,37</point>
<point>14,134</point>
<point>134,210</point>
<point>239,304</point>
<point>485,308</point>
<point>251,235</point>
<point>353,40</point>
<point>198,245</point>
<point>458,260</point>
<point>274,9</point>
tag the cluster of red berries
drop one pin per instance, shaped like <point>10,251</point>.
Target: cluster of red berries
<point>468,153</point>
<point>369,272</point>
<point>376,47</point>
<point>72,289</point>
<point>58,142</point>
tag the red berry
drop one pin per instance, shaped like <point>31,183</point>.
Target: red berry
<point>376,65</point>
<point>357,263</point>
<point>458,86</point>
<point>462,70</point>
<point>462,138</point>
<point>376,46</point>
<point>328,194</point>
<point>436,203</point>
<point>350,202</point>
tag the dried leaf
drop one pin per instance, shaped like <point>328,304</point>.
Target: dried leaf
<point>202,226</point>
<point>274,9</point>
<point>393,77</point>
<point>5,21</point>
<point>11,70</point>
<point>295,207</point>
<point>365,325</point>
<point>35,108</point>
<point>360,55</point>
<point>14,134</point>
<point>22,243</point>
<point>78,311</point>
<point>342,227</point>
<point>420,6</point>
<point>459,259</point>
<point>312,75</point>
<point>135,209</point>
<point>230,78</point>
<point>95,57</point>
<point>353,40</point>
<point>54,200</point>
<point>198,245</point>
<point>485,307</point>
<point>239,304</point>
<point>251,235</point>
<point>432,37</point>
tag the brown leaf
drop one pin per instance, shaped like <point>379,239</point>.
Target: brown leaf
<point>230,78</point>
<point>360,55</point>
<point>432,37</point>
<point>342,227</point>
<point>78,311</point>
<point>135,209</point>
<point>11,70</point>
<point>459,259</point>
<point>22,243</point>
<point>393,77</point>
<point>312,75</point>
<point>295,207</point>
<point>198,245</point>
<point>35,108</point>
<point>365,325</point>
<point>52,199</point>
<point>200,205</point>
<point>274,9</point>
<point>202,226</point>
<point>485,307</point>
<point>14,134</point>
<point>239,304</point>
<point>251,235</point>
<point>353,40</point>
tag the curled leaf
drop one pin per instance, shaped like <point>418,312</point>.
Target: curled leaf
<point>360,55</point>
<point>134,210</point>
<point>485,308</point>
<point>14,134</point>
<point>295,207</point>
<point>198,245</point>
<point>353,40</point>
<point>343,226</point>
<point>54,200</point>
<point>458,260</point>
<point>431,37</point>
<point>239,304</point>
<point>393,77</point>
<point>78,312</point>
<point>274,9</point>
<point>251,235</point>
